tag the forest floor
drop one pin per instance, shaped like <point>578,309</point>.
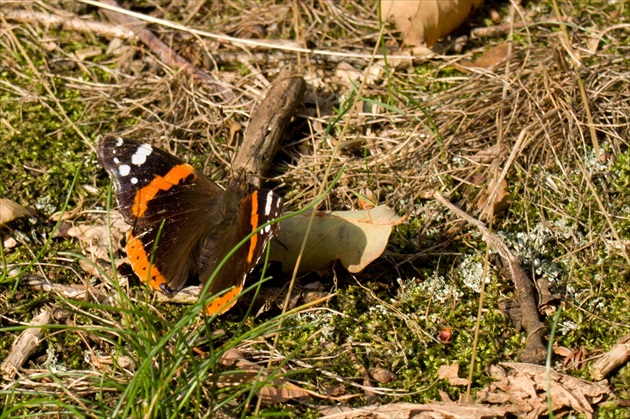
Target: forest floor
<point>504,149</point>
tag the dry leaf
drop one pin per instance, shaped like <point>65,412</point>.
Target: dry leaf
<point>426,21</point>
<point>490,154</point>
<point>97,236</point>
<point>9,243</point>
<point>276,390</point>
<point>10,210</point>
<point>347,75</point>
<point>69,214</point>
<point>382,375</point>
<point>525,386</point>
<point>356,238</point>
<point>488,59</point>
<point>449,372</point>
<point>500,200</point>
<point>366,199</point>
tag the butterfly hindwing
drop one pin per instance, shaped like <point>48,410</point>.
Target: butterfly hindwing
<point>254,210</point>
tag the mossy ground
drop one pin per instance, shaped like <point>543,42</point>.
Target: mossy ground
<point>427,125</point>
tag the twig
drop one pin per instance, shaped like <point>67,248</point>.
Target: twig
<point>369,395</point>
<point>268,44</point>
<point>612,359</point>
<point>24,345</point>
<point>164,52</point>
<point>497,30</point>
<point>77,292</point>
<point>535,350</point>
<point>265,129</point>
<point>69,23</point>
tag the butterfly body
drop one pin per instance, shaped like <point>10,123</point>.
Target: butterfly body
<point>182,224</point>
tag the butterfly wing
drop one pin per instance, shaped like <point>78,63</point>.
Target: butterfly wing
<point>168,205</point>
<point>183,224</point>
<point>254,210</point>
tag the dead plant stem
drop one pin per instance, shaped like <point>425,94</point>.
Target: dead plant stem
<point>575,63</point>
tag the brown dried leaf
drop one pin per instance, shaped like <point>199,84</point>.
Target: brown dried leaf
<point>500,200</point>
<point>10,210</point>
<point>450,373</point>
<point>382,375</point>
<point>97,236</point>
<point>276,390</point>
<point>488,59</point>
<point>524,388</point>
<point>356,238</point>
<point>426,21</point>
<point>69,214</point>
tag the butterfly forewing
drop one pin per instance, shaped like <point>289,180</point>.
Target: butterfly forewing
<point>183,222</point>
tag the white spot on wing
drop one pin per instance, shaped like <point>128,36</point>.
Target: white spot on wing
<point>140,156</point>
<point>116,160</point>
<point>124,170</point>
<point>268,203</point>
<point>133,180</point>
<point>267,229</point>
<point>119,142</point>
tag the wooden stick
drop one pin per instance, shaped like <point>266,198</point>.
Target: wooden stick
<point>265,129</point>
<point>612,359</point>
<point>535,350</point>
<point>24,345</point>
<point>69,23</point>
<point>164,52</point>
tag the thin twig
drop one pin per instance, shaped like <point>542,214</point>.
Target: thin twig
<point>535,350</point>
<point>163,51</point>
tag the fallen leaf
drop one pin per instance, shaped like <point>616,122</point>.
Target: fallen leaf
<point>488,59</point>
<point>235,128</point>
<point>97,236</point>
<point>69,214</point>
<point>500,200</point>
<point>10,210</point>
<point>449,372</point>
<point>525,387</point>
<point>348,75</point>
<point>426,21</point>
<point>9,243</point>
<point>366,199</point>
<point>382,375</point>
<point>490,154</point>
<point>356,238</point>
<point>276,390</point>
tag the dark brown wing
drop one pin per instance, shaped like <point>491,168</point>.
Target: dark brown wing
<point>169,205</point>
<point>254,210</point>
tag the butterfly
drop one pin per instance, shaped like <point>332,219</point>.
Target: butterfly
<point>183,224</point>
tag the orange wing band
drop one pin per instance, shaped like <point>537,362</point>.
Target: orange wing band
<point>142,265</point>
<point>224,302</point>
<point>254,221</point>
<point>172,178</point>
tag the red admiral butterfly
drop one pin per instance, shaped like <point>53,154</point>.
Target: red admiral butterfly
<point>196,223</point>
